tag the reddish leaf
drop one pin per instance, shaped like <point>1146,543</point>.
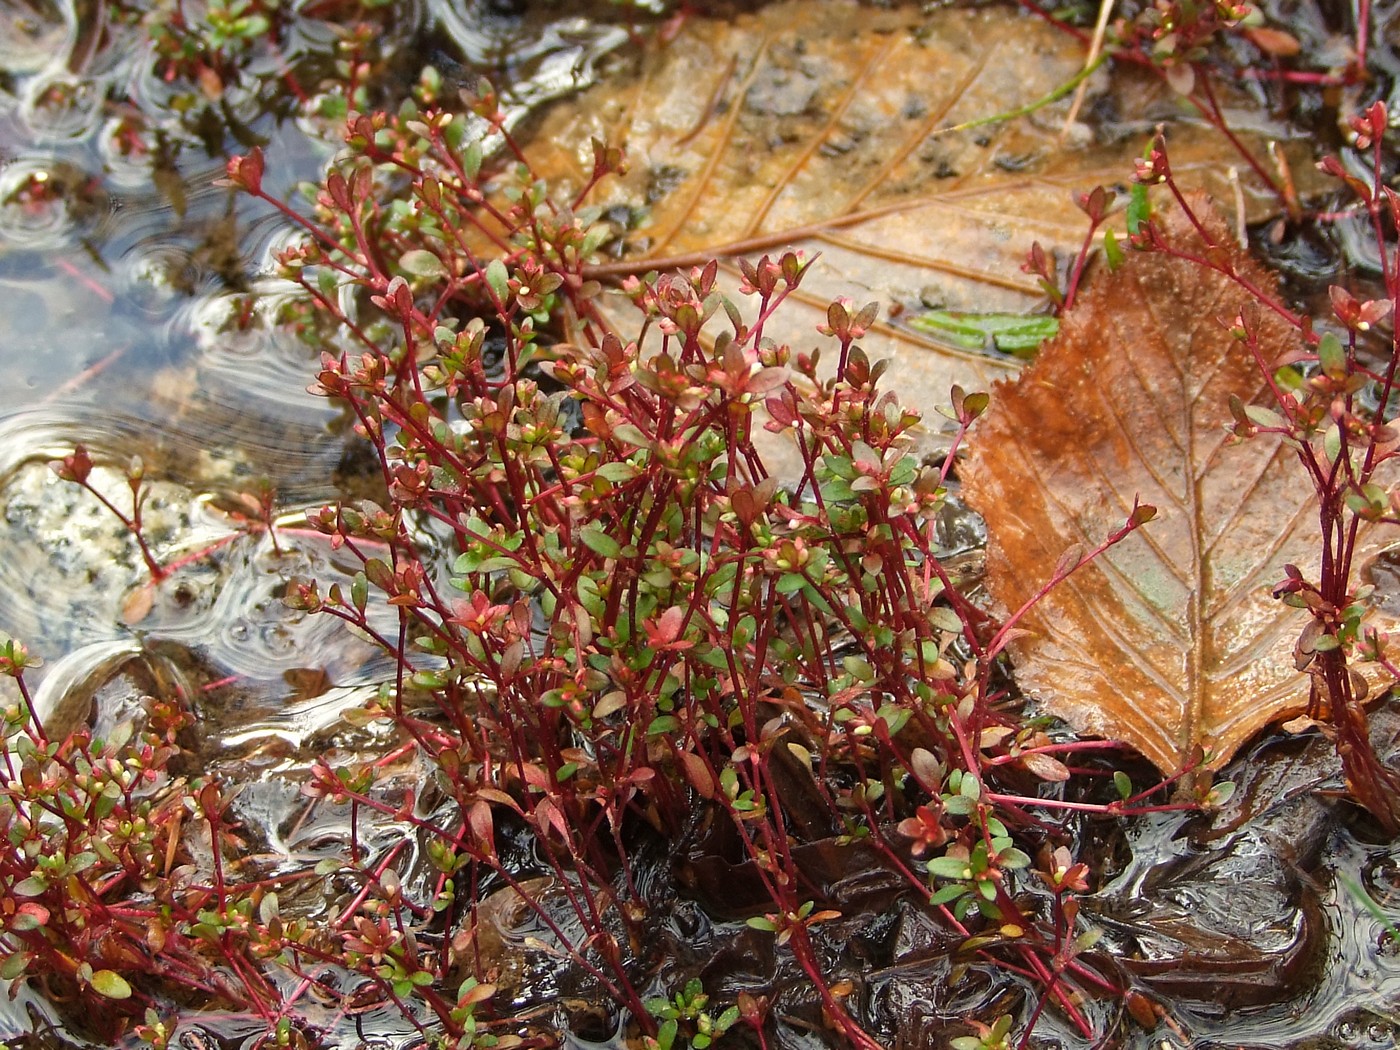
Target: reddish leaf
<point>483,827</point>
<point>765,380</point>
<point>1046,767</point>
<point>247,172</point>
<point>1171,640</point>
<point>697,774</point>
<point>663,631</point>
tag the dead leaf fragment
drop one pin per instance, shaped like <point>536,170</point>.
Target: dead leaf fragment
<point>1172,638</point>
<point>835,133</point>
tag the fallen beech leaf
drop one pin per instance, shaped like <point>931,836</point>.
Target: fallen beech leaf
<point>830,128</point>
<point>1171,639</point>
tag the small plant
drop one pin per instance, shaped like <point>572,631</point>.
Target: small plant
<point>684,1015</point>
<point>616,620</point>
<point>77,468</point>
<point>93,835</point>
<point>995,1036</point>
<point>1200,50</point>
<point>209,50</point>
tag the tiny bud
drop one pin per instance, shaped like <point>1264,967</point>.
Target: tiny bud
<point>247,172</point>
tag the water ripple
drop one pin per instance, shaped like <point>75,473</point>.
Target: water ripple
<point>47,203</point>
<point>60,107</point>
<point>35,34</point>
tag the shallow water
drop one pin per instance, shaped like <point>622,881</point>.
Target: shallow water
<point>138,319</point>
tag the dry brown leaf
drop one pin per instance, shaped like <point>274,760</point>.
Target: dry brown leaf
<point>1171,638</point>
<point>823,127</point>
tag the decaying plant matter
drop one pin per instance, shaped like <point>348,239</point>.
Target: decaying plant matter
<point>1173,640</point>
<point>1331,407</point>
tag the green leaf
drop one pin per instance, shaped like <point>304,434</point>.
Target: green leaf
<point>1220,794</point>
<point>1123,784</point>
<point>1010,333</point>
<point>944,894</point>
<point>631,434</point>
<point>14,966</point>
<point>31,887</point>
<point>663,724</point>
<point>111,984</point>
<point>600,542</point>
<point>950,868</point>
<point>960,805</point>
<point>1013,858</point>
<point>30,917</point>
<point>471,157</point>
<point>422,263</point>
<point>498,279</point>
<point>1264,417</point>
<point>616,472</point>
<point>1332,356</point>
<point>1112,251</point>
<point>837,490</point>
<point>1139,208</point>
<point>790,582</point>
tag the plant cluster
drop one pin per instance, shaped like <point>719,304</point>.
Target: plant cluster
<point>212,63</point>
<point>622,623</point>
<point>617,612</point>
<point>1334,406</point>
<point>1202,50</point>
<point>214,46</point>
<point>125,895</point>
<point>101,896</point>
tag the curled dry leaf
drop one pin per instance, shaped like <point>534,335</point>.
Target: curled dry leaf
<point>830,128</point>
<point>1171,639</point>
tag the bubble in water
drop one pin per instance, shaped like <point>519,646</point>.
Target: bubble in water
<point>48,204</point>
<point>127,148</point>
<point>60,107</point>
<point>158,275</point>
<point>1381,878</point>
